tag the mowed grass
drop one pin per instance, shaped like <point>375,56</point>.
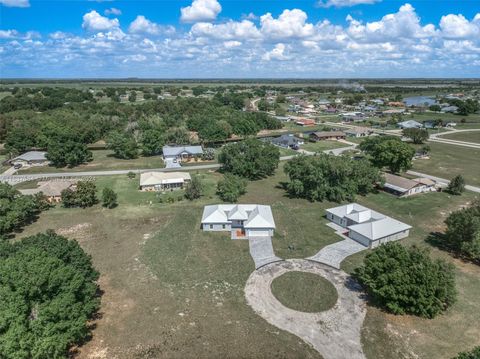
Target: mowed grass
<point>447,161</point>
<point>473,136</point>
<point>103,160</point>
<point>321,146</point>
<point>171,290</point>
<point>305,292</point>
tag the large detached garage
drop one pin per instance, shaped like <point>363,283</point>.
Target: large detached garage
<point>366,226</point>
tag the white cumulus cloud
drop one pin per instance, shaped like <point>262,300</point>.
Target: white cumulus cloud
<point>243,30</point>
<point>93,21</point>
<point>290,23</point>
<point>277,53</point>
<point>457,26</point>
<point>142,25</point>
<point>200,10</point>
<point>344,3</point>
<point>113,11</point>
<point>15,3</point>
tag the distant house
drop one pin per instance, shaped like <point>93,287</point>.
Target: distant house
<point>163,181</point>
<point>327,135</point>
<point>404,187</point>
<point>359,132</point>
<point>449,109</point>
<point>366,226</point>
<point>31,158</point>
<point>396,104</point>
<point>52,189</point>
<point>353,116</point>
<point>409,124</point>
<point>287,141</point>
<point>181,152</point>
<point>305,122</point>
<point>241,220</point>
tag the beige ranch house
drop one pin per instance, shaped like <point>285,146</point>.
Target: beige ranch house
<point>243,221</point>
<point>404,187</point>
<point>163,181</point>
<point>366,226</point>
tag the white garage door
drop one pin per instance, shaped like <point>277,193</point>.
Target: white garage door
<point>259,233</point>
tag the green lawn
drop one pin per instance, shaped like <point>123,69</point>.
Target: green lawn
<point>446,161</point>
<point>322,145</point>
<point>473,136</point>
<point>305,292</point>
<point>103,160</point>
<point>171,290</point>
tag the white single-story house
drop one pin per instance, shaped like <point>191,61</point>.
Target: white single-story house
<point>243,221</point>
<point>359,132</point>
<point>410,124</point>
<point>403,187</point>
<point>366,226</point>
<point>30,158</point>
<point>163,181</point>
<point>181,152</point>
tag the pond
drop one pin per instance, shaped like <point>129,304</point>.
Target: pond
<point>419,101</point>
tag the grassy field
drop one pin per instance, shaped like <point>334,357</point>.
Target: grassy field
<point>321,146</point>
<point>473,136</point>
<point>171,290</point>
<point>103,160</point>
<point>305,292</point>
<point>446,161</point>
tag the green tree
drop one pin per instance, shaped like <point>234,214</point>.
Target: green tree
<point>406,281</point>
<point>194,188</point>
<point>122,144</point>
<point>69,153</point>
<point>388,152</point>
<point>252,159</point>
<point>109,198</point>
<point>456,185</point>
<point>152,142</point>
<point>49,292</point>
<point>16,210</point>
<point>463,232</point>
<point>473,354</point>
<point>417,135</point>
<point>132,97</point>
<point>85,195</point>
<point>231,187</point>
<point>333,178</point>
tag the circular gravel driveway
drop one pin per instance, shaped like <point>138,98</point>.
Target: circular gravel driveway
<point>334,333</point>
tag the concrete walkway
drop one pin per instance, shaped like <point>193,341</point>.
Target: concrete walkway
<point>261,250</point>
<point>335,333</point>
<point>335,253</point>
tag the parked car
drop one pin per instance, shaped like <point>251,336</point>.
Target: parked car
<point>17,166</point>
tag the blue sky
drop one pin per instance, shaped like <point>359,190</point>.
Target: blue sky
<point>215,38</point>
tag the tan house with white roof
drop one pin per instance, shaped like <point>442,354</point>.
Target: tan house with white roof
<point>163,181</point>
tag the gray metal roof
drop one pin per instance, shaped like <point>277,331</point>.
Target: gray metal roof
<point>177,150</point>
<point>32,156</point>
<point>255,215</point>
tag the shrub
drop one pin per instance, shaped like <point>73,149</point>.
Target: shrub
<point>83,196</point>
<point>131,175</point>
<point>109,198</point>
<point>473,354</point>
<point>194,189</point>
<point>406,281</point>
<point>456,185</point>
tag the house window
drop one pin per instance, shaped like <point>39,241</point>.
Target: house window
<point>223,226</point>
<point>211,226</point>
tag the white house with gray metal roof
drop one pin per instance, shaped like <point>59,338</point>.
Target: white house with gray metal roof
<point>242,220</point>
<point>181,152</point>
<point>366,226</point>
<point>30,158</point>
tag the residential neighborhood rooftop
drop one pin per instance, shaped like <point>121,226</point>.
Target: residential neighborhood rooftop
<point>255,215</point>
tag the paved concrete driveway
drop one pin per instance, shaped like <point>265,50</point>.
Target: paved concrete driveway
<point>261,250</point>
<point>335,253</point>
<point>170,164</point>
<point>335,333</point>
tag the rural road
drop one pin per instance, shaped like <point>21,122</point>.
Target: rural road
<point>15,179</point>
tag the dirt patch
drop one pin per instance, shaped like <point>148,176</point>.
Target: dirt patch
<point>80,232</point>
